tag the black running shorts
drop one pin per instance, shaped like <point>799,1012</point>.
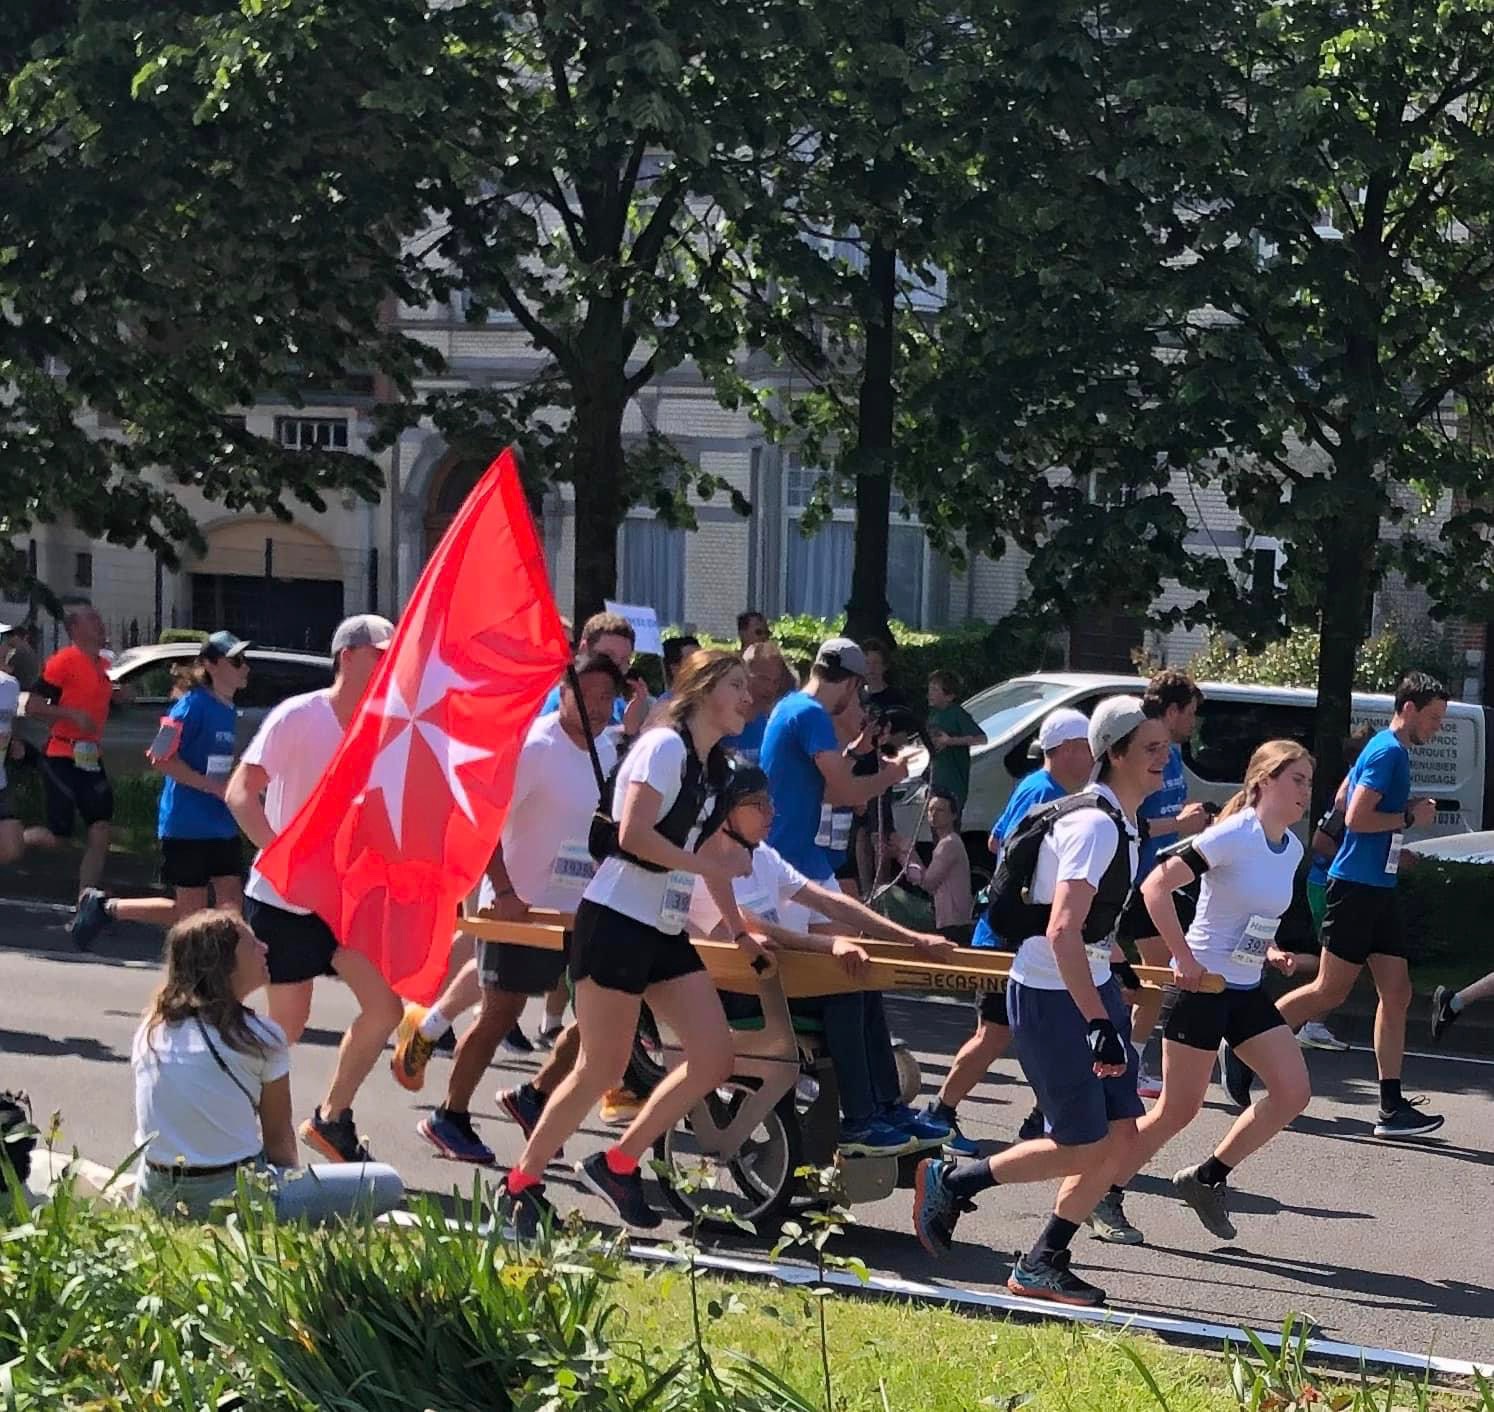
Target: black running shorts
<point>1360,921</point>
<point>621,953</point>
<point>1200,1021</point>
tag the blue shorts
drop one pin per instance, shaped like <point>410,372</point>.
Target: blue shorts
<point>1052,1047</point>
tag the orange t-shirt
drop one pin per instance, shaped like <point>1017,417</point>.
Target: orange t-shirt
<point>85,686</point>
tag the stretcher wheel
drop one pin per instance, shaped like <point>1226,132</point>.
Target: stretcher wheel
<point>757,1184</point>
<point>909,1075</point>
<point>646,1068</point>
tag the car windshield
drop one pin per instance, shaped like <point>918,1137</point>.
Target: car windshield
<point>1001,708</point>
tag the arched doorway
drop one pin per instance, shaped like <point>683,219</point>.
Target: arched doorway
<point>451,484</point>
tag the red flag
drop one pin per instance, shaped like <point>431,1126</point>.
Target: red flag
<point>406,817</point>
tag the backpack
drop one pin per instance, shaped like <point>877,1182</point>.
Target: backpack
<point>17,1137</point>
<point>1012,914</point>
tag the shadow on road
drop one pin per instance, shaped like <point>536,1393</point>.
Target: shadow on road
<point>45,1046</point>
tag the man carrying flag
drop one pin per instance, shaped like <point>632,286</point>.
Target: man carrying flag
<point>404,820</point>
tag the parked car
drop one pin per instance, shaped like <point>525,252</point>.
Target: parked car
<point>274,674</point>
<point>1233,720</point>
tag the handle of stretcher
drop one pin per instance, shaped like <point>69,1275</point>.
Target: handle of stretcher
<point>893,965</point>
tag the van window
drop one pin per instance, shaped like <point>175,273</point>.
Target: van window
<point>1001,707</point>
<point>1228,733</point>
<point>272,679</point>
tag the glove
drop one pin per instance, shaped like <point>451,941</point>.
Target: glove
<point>1105,1045</point>
<point>1125,973</point>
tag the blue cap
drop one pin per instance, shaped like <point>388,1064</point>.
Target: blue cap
<point>221,645</point>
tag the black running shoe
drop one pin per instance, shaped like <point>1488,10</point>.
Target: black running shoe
<point>1208,1200</point>
<point>335,1138</point>
<point>623,1194</point>
<point>448,1042</point>
<point>1033,1125</point>
<point>1407,1120</point>
<point>523,1107</point>
<point>1052,1279</point>
<point>1442,1012</point>
<point>529,1214</point>
<point>1238,1077</point>
<point>517,1042</point>
<point>90,920</point>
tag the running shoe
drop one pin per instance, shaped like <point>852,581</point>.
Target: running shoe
<point>957,1143</point>
<point>936,1209</point>
<point>875,1138</point>
<point>619,1107</point>
<point>448,1042</point>
<point>523,1107</point>
<point>90,918</point>
<point>1407,1120</point>
<point>1208,1202</point>
<point>1148,1085</point>
<point>529,1213</point>
<point>623,1194</point>
<point>931,1131</point>
<point>335,1138</point>
<point>1316,1035</point>
<point>517,1042</point>
<point>1109,1222</point>
<point>546,1038</point>
<point>1237,1075</point>
<point>1442,1012</point>
<point>1034,1125</point>
<point>412,1050</point>
<point>1052,1279</point>
<point>453,1136</point>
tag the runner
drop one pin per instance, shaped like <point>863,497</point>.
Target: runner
<point>1069,1022</point>
<point>677,651</point>
<point>874,1120</point>
<point>1063,738</point>
<point>952,731</point>
<point>767,680</point>
<point>1247,862</point>
<point>1166,815</point>
<point>541,861</point>
<point>12,837</point>
<point>1448,1004</point>
<point>285,760</point>
<point>200,845</point>
<point>73,698</point>
<point>612,635</point>
<point>629,944</point>
<point>1362,924</point>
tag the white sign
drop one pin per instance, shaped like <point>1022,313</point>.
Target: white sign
<point>645,623</point>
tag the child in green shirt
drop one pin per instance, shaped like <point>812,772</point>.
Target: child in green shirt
<point>952,731</point>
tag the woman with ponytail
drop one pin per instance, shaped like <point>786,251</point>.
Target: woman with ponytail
<point>1247,861</point>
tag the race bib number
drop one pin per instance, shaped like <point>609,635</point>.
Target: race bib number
<point>675,913</point>
<point>86,755</point>
<point>573,869</point>
<point>1098,953</point>
<point>218,766</point>
<point>835,829</point>
<point>1260,932</point>
<point>1393,854</point>
<point>760,905</point>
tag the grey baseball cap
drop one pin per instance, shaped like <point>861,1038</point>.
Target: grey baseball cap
<point>842,654</point>
<point>362,630</point>
<point>1113,719</point>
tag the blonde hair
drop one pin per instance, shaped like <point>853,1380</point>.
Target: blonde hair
<point>1268,761</point>
<point>701,674</point>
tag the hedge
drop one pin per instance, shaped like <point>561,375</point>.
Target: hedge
<point>1446,908</point>
<point>1293,660</point>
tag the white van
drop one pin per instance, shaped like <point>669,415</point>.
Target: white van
<point>1233,720</point>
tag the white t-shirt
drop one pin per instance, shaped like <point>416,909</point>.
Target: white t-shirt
<point>10,701</point>
<point>186,1108</point>
<point>294,745</point>
<point>764,891</point>
<point>1245,892</point>
<point>549,817</point>
<point>657,759</point>
<point>1078,848</point>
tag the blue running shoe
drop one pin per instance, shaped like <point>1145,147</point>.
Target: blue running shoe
<point>959,1144</point>
<point>874,1138</point>
<point>936,1209</point>
<point>930,1130</point>
<point>453,1136</point>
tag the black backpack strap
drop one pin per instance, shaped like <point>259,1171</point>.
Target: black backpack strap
<point>591,744</point>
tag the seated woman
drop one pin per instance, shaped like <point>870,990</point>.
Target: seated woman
<point>212,1089</point>
<point>874,1122</point>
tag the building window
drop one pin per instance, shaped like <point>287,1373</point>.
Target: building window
<point>312,433</point>
<point>651,566</point>
<point>83,570</point>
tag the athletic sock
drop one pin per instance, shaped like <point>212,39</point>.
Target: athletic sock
<point>554,1022</point>
<point>969,1179</point>
<point>435,1023</point>
<point>941,1110</point>
<point>619,1163</point>
<point>519,1182</point>
<point>1455,1003</point>
<point>1390,1094</point>
<point>1056,1236</point>
<point>1213,1172</point>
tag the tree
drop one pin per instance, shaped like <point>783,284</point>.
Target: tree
<point>177,237</point>
<point>1298,203</point>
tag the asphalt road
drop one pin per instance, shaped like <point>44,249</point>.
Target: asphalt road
<point>1382,1245</point>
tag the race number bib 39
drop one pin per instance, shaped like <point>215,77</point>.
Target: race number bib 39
<point>675,912</point>
<point>1260,932</point>
<point>573,868</point>
<point>86,755</point>
<point>1393,854</point>
<point>835,829</point>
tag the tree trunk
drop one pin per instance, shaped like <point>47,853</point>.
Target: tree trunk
<point>597,477</point>
<point>866,613</point>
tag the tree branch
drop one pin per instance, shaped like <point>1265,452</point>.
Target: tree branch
<point>645,252</point>
<point>551,342</point>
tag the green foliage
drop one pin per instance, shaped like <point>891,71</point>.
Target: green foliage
<point>1293,661</point>
<point>1446,908</point>
<point>183,635</point>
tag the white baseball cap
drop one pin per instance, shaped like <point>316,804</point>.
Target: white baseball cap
<point>362,630</point>
<point>1061,726</point>
<point>1114,719</point>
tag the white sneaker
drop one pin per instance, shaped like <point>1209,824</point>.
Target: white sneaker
<point>1148,1085</point>
<point>1316,1035</point>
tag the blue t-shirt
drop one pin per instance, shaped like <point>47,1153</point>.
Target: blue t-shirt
<point>206,744</point>
<point>798,730</point>
<point>1383,765</point>
<point>1037,788</point>
<point>1164,803</point>
<point>748,746</point>
<point>552,703</point>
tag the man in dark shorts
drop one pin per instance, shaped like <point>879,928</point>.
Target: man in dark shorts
<point>1362,921</point>
<point>283,764</point>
